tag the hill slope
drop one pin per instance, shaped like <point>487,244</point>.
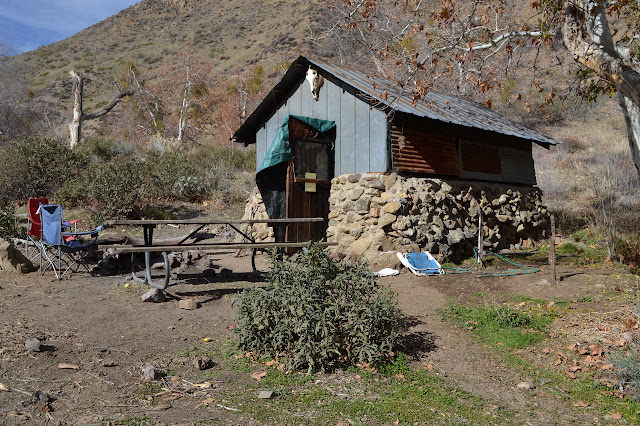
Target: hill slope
<point>230,36</point>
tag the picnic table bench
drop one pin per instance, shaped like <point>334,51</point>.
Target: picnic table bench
<point>148,246</point>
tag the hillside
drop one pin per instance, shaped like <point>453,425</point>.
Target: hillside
<point>235,38</point>
<point>231,36</point>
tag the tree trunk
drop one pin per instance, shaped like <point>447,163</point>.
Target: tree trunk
<point>632,117</point>
<point>76,122</point>
<point>587,36</point>
<point>75,127</point>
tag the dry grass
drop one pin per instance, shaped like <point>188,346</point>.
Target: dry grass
<point>591,175</point>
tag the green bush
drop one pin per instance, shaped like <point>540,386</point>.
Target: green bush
<point>32,168</point>
<point>114,189</point>
<point>9,228</point>
<point>99,149</point>
<point>318,313</point>
<point>177,175</point>
<point>127,188</point>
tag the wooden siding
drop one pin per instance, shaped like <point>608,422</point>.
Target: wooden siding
<point>361,130</point>
<point>421,152</point>
<point>480,158</point>
<point>517,164</point>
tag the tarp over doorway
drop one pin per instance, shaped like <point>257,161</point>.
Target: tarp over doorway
<point>271,176</point>
<point>280,149</point>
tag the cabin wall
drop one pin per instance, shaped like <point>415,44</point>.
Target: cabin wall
<point>376,213</point>
<point>425,146</point>
<point>361,130</point>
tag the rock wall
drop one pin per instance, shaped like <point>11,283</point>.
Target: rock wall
<point>380,212</point>
<point>255,210</point>
<point>374,213</point>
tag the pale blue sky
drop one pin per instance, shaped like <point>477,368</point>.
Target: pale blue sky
<point>29,24</point>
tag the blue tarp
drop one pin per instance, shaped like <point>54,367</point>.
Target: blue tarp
<point>280,149</point>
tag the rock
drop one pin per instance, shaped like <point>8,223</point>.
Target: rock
<point>502,218</point>
<point>12,260</point>
<point>189,304</point>
<point>636,310</point>
<point>203,363</point>
<point>265,394</point>
<point>355,194</point>
<point>525,385</point>
<point>376,183</point>
<point>109,363</point>
<point>154,295</point>
<point>32,344</point>
<point>43,396</point>
<point>149,372</point>
<point>455,236</point>
<point>360,246</point>
<point>386,220</point>
<point>362,205</point>
<point>392,207</point>
<point>353,178</point>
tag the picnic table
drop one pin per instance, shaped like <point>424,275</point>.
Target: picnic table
<point>148,246</point>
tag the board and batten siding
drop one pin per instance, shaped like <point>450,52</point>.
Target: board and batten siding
<point>516,166</point>
<point>361,130</point>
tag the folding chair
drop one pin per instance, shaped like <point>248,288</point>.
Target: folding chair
<point>420,263</point>
<point>34,234</point>
<point>57,250</point>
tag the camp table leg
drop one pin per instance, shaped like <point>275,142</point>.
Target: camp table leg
<point>148,241</point>
<point>253,251</point>
<point>167,274</point>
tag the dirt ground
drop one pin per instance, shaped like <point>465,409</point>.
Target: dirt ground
<point>101,329</point>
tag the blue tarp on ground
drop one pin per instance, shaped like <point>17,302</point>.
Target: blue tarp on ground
<point>280,149</point>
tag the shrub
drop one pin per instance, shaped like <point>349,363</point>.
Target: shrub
<point>628,249</point>
<point>176,175</point>
<point>8,225</point>
<point>114,189</point>
<point>32,168</point>
<point>627,369</point>
<point>318,313</point>
<point>99,149</point>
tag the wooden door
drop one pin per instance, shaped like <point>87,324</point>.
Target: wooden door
<point>312,154</point>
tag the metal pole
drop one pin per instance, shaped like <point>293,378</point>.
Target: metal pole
<point>480,238</point>
<point>552,250</point>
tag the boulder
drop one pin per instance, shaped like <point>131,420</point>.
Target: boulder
<point>12,260</point>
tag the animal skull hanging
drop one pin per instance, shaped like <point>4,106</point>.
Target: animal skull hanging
<point>315,81</point>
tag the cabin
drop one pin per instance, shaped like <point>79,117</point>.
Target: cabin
<point>390,172</point>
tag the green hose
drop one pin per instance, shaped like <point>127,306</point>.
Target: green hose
<point>524,269</point>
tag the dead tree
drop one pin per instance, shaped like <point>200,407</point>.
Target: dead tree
<point>75,127</point>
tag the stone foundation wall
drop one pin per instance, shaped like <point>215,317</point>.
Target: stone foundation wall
<point>374,213</point>
<point>255,210</point>
<point>381,212</point>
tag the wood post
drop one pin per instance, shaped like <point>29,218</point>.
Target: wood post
<point>480,239</point>
<point>552,250</point>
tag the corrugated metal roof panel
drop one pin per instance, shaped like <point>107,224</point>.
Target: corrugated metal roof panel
<point>434,105</point>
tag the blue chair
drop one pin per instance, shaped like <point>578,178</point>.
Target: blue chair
<point>420,263</point>
<point>62,249</point>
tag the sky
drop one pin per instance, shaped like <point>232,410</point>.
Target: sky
<point>28,24</point>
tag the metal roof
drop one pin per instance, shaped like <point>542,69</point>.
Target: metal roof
<point>434,105</point>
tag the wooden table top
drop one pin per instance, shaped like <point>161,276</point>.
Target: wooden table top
<point>213,221</point>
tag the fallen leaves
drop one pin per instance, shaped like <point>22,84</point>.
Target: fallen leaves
<point>259,375</point>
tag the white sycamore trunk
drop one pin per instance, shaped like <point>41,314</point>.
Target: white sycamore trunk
<point>587,36</point>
